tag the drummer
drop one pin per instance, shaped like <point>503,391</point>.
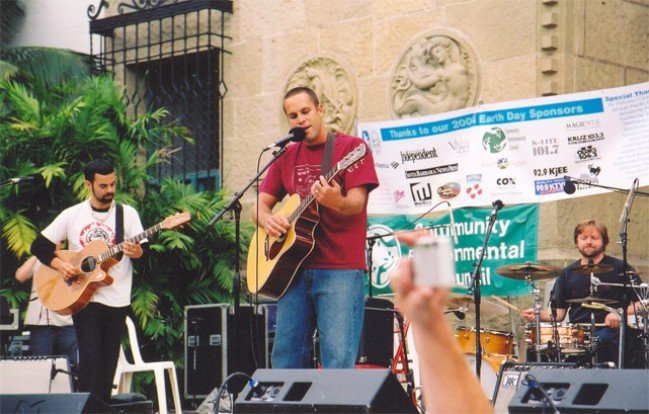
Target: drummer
<point>591,239</point>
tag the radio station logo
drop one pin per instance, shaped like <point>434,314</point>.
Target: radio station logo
<point>584,138</point>
<point>449,190</point>
<point>545,146</point>
<point>551,186</point>
<point>587,153</point>
<point>494,140</point>
<point>422,154</point>
<point>582,124</point>
<point>422,193</point>
<point>552,171</point>
<point>460,146</point>
<point>426,172</point>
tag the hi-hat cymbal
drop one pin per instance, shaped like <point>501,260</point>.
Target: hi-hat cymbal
<point>465,303</point>
<point>589,299</point>
<point>596,269</point>
<point>534,271</point>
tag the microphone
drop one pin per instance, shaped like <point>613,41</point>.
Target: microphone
<point>453,229</point>
<point>497,205</point>
<point>629,201</point>
<point>296,135</point>
<point>26,178</point>
<point>569,185</point>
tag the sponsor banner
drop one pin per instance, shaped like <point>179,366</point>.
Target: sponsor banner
<point>518,152</point>
<point>513,241</point>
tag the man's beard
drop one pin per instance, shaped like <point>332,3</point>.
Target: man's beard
<point>107,199</point>
<point>595,253</point>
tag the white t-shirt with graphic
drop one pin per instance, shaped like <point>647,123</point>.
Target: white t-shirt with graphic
<point>80,225</point>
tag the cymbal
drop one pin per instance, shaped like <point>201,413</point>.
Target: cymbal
<point>535,271</point>
<point>589,299</point>
<point>592,268</point>
<point>466,303</point>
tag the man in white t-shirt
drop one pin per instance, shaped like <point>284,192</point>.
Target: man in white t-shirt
<point>100,326</point>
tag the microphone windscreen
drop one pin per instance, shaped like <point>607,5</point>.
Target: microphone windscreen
<point>569,187</point>
<point>298,134</point>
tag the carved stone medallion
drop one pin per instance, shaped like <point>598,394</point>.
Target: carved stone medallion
<point>436,73</point>
<point>335,90</point>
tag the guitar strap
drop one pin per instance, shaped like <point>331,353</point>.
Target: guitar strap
<point>119,223</point>
<point>328,153</point>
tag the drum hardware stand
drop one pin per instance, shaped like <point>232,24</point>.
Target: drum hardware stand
<point>536,291</point>
<point>555,327</point>
<point>475,284</point>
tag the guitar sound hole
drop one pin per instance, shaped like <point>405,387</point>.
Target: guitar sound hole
<point>88,264</point>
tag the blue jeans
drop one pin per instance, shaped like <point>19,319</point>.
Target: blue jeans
<point>54,340</point>
<point>332,300</point>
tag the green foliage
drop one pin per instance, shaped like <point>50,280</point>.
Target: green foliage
<point>53,130</point>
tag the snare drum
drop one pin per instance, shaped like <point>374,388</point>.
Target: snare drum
<point>492,341</point>
<point>572,338</point>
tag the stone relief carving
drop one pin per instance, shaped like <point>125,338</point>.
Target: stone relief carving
<point>435,74</point>
<point>334,88</point>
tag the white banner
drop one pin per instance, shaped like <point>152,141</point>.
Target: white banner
<point>518,152</point>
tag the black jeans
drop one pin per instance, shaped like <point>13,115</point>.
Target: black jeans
<point>100,329</point>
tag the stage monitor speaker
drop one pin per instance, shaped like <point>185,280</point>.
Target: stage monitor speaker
<point>377,339</point>
<point>324,391</point>
<point>218,343</point>
<point>585,391</point>
<point>82,402</point>
<point>35,374</point>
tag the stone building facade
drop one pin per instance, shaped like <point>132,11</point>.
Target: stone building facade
<point>504,50</point>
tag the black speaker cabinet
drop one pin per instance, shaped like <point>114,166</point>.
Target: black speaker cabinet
<point>82,402</point>
<point>509,380</point>
<point>218,343</point>
<point>585,391</point>
<point>377,339</point>
<point>324,391</point>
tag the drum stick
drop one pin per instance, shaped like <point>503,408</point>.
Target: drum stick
<point>504,302</point>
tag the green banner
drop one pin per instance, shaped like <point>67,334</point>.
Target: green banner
<point>513,240</point>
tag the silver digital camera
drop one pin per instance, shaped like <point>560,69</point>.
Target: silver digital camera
<point>434,262</point>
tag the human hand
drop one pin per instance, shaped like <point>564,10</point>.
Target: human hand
<point>132,250</point>
<point>528,315</point>
<point>612,321</point>
<point>326,194</point>
<point>275,226</point>
<point>423,305</point>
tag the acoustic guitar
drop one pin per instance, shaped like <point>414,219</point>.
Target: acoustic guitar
<point>274,261</point>
<point>67,297</point>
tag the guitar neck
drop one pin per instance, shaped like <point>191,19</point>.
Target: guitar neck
<point>304,204</point>
<point>136,239</point>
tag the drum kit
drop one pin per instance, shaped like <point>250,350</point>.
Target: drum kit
<point>544,341</point>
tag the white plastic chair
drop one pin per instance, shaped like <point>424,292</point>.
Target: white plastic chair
<point>124,373</point>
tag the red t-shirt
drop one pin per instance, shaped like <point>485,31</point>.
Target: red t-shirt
<point>339,240</point>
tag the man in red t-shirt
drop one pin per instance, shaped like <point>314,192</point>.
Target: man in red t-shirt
<point>328,290</point>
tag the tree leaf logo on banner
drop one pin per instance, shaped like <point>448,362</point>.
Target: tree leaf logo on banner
<point>494,140</point>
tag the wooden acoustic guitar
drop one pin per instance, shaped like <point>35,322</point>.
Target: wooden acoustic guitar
<point>67,297</point>
<point>274,261</point>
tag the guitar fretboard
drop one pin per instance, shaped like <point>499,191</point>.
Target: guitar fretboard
<point>304,204</point>
<point>135,239</point>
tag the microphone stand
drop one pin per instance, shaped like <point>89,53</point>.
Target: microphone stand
<point>625,279</point>
<point>475,287</point>
<point>235,206</point>
<point>616,189</point>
